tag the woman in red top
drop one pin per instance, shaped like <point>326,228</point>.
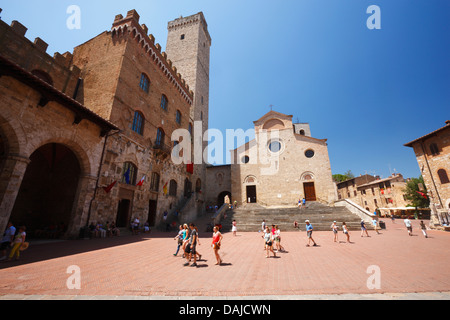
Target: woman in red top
<point>216,241</point>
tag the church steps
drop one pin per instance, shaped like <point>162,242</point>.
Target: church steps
<point>249,218</point>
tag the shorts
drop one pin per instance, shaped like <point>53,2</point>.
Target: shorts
<point>190,248</point>
<point>335,231</point>
<point>309,234</point>
<point>269,243</point>
<point>234,229</point>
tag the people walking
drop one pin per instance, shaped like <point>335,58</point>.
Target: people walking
<point>179,239</point>
<point>7,240</point>
<point>309,231</point>
<point>216,244</point>
<point>190,251</point>
<point>375,225</point>
<point>364,229</point>
<point>277,239</point>
<point>335,229</point>
<point>408,226</point>
<point>423,227</point>
<point>346,232</point>
<point>268,242</point>
<point>234,228</point>
<point>19,241</point>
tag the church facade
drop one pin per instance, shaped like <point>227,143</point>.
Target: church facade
<point>283,164</point>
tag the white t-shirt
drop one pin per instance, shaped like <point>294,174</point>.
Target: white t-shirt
<point>19,236</point>
<point>407,223</point>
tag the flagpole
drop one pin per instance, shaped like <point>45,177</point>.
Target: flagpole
<point>98,175</point>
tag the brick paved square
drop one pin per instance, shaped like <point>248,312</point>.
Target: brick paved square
<point>144,266</point>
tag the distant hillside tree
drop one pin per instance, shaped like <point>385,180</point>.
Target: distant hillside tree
<point>343,177</point>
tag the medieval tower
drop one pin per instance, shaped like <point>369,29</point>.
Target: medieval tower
<point>188,47</point>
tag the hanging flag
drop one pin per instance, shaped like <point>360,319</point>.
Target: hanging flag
<point>422,194</point>
<point>190,168</point>
<point>141,183</point>
<point>165,189</point>
<point>109,188</point>
<point>127,176</point>
<point>382,191</point>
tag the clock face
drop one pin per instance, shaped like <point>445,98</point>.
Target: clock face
<point>309,153</point>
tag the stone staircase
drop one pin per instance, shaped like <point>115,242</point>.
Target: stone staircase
<point>250,216</point>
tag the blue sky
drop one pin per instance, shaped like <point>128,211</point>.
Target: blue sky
<point>367,91</point>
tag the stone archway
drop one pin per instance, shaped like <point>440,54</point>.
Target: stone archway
<point>46,199</point>
<point>221,198</point>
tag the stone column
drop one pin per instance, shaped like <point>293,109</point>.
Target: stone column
<point>82,201</point>
<point>11,177</point>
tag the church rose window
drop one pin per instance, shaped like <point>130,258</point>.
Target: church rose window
<point>275,146</point>
<point>309,153</point>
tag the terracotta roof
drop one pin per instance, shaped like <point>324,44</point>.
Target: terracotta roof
<point>409,144</point>
<point>50,93</point>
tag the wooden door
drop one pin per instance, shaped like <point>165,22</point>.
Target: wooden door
<point>310,191</point>
<point>251,194</point>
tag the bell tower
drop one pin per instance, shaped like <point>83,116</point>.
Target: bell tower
<point>188,47</point>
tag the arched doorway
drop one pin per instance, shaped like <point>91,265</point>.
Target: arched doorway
<point>46,196</point>
<point>221,198</point>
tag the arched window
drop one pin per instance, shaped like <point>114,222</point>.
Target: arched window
<point>198,185</point>
<point>178,118</point>
<point>160,135</point>
<point>443,176</point>
<point>145,83</point>
<point>129,173</point>
<point>434,149</point>
<point>138,123</point>
<point>173,188</point>
<point>164,102</point>
<point>154,182</point>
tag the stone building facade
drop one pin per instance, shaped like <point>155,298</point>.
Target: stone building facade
<point>386,196</point>
<point>50,144</point>
<point>281,165</point>
<point>132,99</point>
<point>433,156</point>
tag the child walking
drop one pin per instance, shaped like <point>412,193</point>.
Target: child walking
<point>19,240</point>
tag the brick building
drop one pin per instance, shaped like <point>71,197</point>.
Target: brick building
<point>120,99</point>
<point>50,144</point>
<point>433,156</point>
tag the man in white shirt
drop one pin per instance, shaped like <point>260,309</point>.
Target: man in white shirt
<point>408,226</point>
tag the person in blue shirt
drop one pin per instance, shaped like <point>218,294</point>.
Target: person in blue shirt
<point>309,230</point>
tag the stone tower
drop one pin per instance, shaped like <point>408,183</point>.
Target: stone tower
<point>188,47</point>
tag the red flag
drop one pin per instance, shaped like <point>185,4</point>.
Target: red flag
<point>109,188</point>
<point>190,168</point>
<point>141,183</point>
<point>422,194</point>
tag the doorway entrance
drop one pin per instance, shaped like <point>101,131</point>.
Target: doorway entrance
<point>153,204</point>
<point>310,191</point>
<point>46,196</point>
<point>251,194</point>
<point>123,212</point>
